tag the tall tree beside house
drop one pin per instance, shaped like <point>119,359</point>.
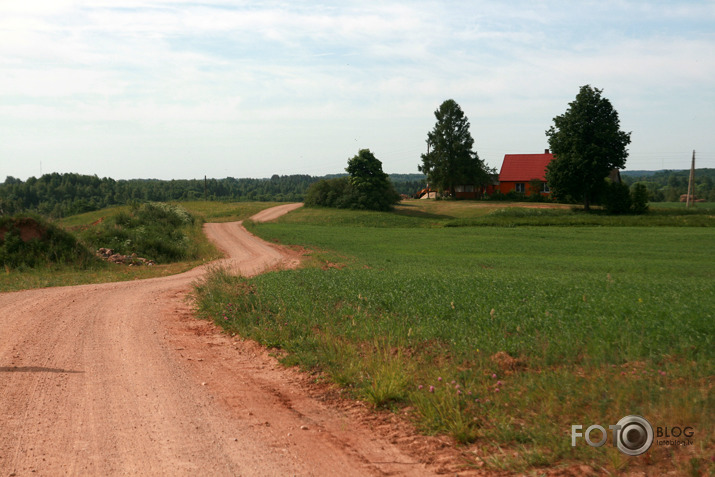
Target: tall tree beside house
<point>587,144</point>
<point>450,160</point>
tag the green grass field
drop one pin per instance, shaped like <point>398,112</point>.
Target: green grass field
<point>501,336</point>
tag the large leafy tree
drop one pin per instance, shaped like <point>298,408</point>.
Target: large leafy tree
<point>587,144</point>
<point>372,188</point>
<point>450,160</point>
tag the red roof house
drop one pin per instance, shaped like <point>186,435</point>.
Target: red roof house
<point>518,169</point>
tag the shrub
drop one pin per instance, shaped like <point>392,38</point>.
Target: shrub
<point>156,231</point>
<point>31,242</point>
<point>617,198</point>
<point>329,193</point>
<point>639,199</point>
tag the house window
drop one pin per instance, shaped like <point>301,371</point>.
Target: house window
<point>546,188</point>
<point>520,187</point>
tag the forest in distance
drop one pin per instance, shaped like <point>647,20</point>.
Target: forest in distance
<point>59,195</point>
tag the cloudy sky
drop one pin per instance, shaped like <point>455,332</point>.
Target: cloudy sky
<point>182,89</point>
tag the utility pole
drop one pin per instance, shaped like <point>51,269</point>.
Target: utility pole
<point>427,182</point>
<point>205,189</point>
<point>691,183</point>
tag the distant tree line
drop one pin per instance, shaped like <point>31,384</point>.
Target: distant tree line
<point>60,195</point>
<point>668,186</point>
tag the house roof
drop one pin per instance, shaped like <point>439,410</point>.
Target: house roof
<point>524,167</point>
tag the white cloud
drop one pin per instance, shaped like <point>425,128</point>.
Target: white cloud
<point>367,70</point>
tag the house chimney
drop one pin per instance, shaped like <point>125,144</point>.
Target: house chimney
<point>546,151</point>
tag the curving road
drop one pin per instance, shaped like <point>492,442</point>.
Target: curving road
<point>120,379</point>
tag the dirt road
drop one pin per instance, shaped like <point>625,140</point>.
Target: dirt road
<point>119,378</point>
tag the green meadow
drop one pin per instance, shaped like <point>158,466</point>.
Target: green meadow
<point>483,324</point>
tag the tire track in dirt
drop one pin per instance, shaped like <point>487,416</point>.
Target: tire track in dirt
<point>119,378</point>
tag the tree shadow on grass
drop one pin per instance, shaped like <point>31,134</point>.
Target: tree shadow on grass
<point>407,210</point>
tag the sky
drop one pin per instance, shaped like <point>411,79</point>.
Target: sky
<point>174,89</point>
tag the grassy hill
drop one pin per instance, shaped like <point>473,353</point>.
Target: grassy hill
<point>30,241</point>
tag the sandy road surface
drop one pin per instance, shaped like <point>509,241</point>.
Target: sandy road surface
<point>120,379</point>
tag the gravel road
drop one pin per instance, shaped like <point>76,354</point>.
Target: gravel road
<point>121,379</point>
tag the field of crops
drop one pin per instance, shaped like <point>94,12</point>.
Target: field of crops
<point>501,336</point>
